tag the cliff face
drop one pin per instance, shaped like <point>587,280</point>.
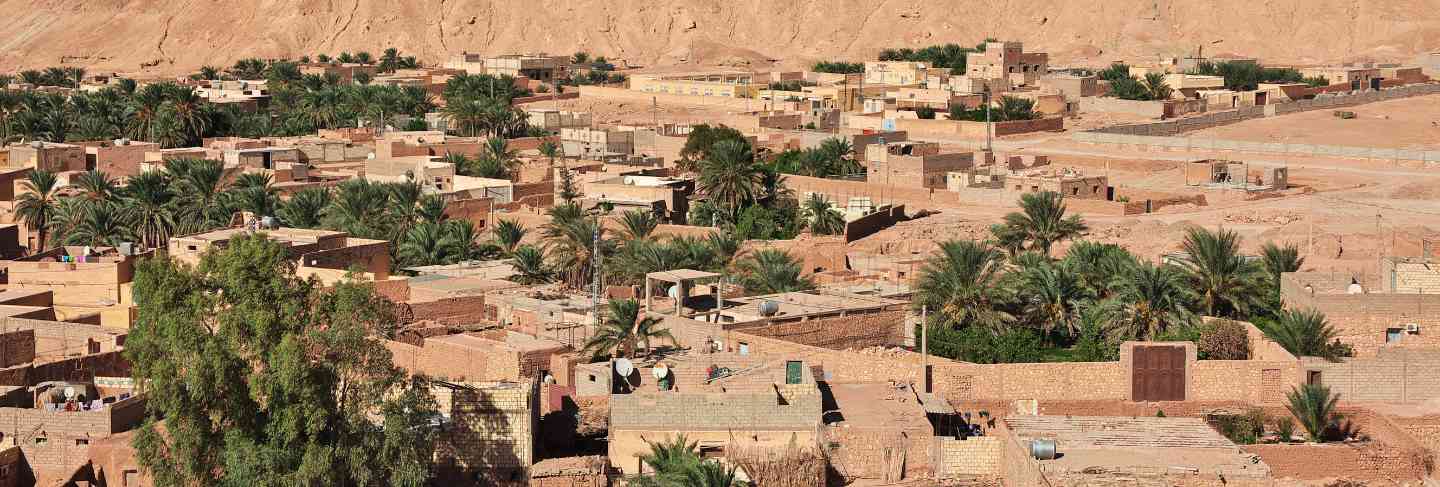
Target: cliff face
<point>179,35</point>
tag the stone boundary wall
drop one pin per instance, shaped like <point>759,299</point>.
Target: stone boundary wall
<point>848,331</point>
<point>724,102</point>
<point>867,225</point>
<point>539,97</point>
<point>1167,135</point>
<point>1394,375</point>
<point>973,456</point>
<point>1361,320</point>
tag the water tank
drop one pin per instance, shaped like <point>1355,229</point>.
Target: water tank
<point>1042,449</point>
<point>769,308</point>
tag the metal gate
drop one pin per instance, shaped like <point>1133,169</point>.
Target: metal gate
<point>1158,373</point>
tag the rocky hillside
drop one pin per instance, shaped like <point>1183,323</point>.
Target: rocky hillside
<point>170,36</point>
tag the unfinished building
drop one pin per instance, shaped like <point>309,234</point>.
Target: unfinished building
<point>1223,174</point>
<point>487,432</point>
<point>325,254</point>
<point>912,165</point>
<point>1068,182</point>
<point>1007,60</point>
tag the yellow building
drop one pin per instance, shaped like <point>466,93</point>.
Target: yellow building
<point>724,85</point>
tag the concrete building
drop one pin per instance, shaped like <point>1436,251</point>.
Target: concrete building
<point>118,158</point>
<point>48,156</point>
<point>539,67</point>
<point>720,401</point>
<point>89,284</point>
<point>552,119</point>
<point>488,431</point>
<point>260,157</point>
<point>1358,77</point>
<point>1072,87</point>
<point>1190,85</point>
<point>728,85</point>
<point>1007,60</point>
<point>587,143</point>
<point>433,176</point>
<point>1068,182</point>
<point>325,254</point>
<point>491,355</point>
<point>1373,312</point>
<point>668,198</point>
<point>912,164</point>
<point>901,73</point>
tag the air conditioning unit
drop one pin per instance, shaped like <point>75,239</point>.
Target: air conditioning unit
<point>1412,328</point>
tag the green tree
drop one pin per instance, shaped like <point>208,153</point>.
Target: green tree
<point>821,217</point>
<point>729,176</point>
<point>1151,300</point>
<point>1039,225</point>
<point>1315,406</point>
<point>1304,333</point>
<point>1051,296</point>
<point>305,208</point>
<point>508,234</point>
<point>148,206</point>
<point>568,192</point>
<point>571,242</point>
<point>625,330</point>
<point>963,285</point>
<point>425,244</point>
<point>100,224</point>
<point>636,225</point>
<point>1227,283</point>
<point>701,141</point>
<point>530,266</point>
<point>772,271</point>
<point>36,207</point>
<point>1156,88</point>
<point>266,379</point>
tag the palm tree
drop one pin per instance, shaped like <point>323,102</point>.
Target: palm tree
<point>464,242</point>
<point>257,200</point>
<point>251,180</point>
<point>821,217</point>
<point>637,225</point>
<point>431,208</point>
<point>508,234</point>
<point>1155,87</point>
<point>551,150</point>
<point>200,184</point>
<point>1151,299</point>
<point>1228,285</point>
<point>359,208</point>
<point>1101,267</point>
<point>148,205</point>
<point>963,282</point>
<point>1304,333</point>
<point>100,224</point>
<point>1279,260</point>
<point>1042,223</point>
<point>36,207</point>
<point>470,117</point>
<point>498,148</point>
<point>1051,295</point>
<point>726,246</point>
<point>729,176</point>
<point>571,243</point>
<point>530,266</point>
<point>305,208</point>
<point>772,271</point>
<point>424,245</point>
<point>625,330</point>
<point>1315,406</point>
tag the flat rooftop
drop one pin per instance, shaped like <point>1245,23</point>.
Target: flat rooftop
<point>877,406</point>
<point>282,234</point>
<point>807,303</point>
<point>1140,444</point>
<point>439,284</point>
<point>517,341</point>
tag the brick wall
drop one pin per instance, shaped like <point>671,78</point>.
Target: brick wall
<point>491,431</point>
<point>454,362</point>
<point>1394,375</point>
<point>464,310</point>
<point>869,224</point>
<point>979,455</point>
<point>852,331</point>
<point>17,347</point>
<point>55,337</point>
<point>1361,320</point>
<point>882,454</point>
<point>54,440</point>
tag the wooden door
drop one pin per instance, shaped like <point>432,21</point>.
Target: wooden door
<point>1158,373</point>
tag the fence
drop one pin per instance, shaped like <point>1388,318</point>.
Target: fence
<point>1228,117</point>
<point>1182,143</point>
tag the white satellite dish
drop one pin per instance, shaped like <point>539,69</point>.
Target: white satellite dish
<point>69,392</point>
<point>719,345</point>
<point>624,367</point>
<point>660,371</point>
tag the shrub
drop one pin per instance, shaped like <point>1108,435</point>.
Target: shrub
<point>1243,429</point>
<point>838,67</point>
<point>1314,406</point>
<point>1285,428</point>
<point>1223,340</point>
<point>978,345</point>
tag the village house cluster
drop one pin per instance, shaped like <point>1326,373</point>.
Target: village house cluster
<point>832,383</point>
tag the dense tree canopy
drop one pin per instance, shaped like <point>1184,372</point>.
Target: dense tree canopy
<point>261,378</point>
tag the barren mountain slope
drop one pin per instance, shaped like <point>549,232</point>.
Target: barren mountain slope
<point>184,34</point>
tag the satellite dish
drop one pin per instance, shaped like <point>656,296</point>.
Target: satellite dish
<point>769,308</point>
<point>674,292</point>
<point>719,345</point>
<point>660,371</point>
<point>370,156</point>
<point>624,367</point>
<point>69,392</point>
<point>37,144</point>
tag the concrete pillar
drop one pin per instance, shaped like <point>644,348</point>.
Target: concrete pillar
<point>647,293</point>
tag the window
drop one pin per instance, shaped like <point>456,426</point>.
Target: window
<point>1312,377</point>
<point>1075,191</point>
<point>191,248</point>
<point>712,451</point>
<point>1393,335</point>
<point>82,441</point>
<point>42,440</point>
<point>592,377</point>
<point>744,348</point>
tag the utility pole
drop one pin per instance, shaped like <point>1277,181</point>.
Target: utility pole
<point>989,129</point>
<point>595,290</point>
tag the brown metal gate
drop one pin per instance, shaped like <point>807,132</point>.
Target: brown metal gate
<point>1158,373</point>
